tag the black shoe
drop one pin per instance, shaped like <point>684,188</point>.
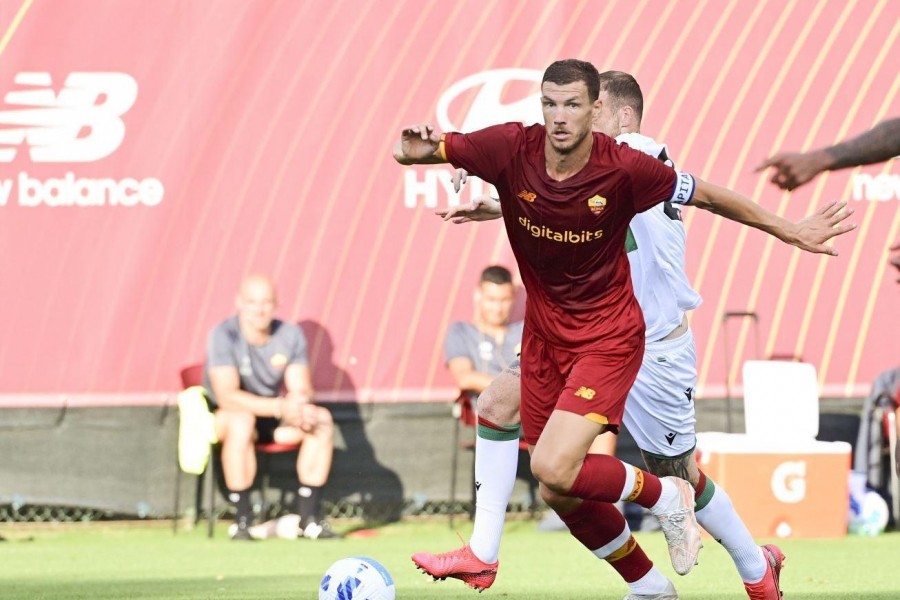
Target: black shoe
<point>240,531</point>
<point>319,531</point>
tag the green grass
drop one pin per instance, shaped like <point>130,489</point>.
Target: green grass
<point>98,562</point>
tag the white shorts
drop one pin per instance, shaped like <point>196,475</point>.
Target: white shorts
<point>659,413</point>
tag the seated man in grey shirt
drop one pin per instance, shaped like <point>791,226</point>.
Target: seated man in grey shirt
<point>477,352</point>
<point>258,379</point>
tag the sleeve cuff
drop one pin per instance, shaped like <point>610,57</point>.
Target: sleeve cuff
<point>442,148</point>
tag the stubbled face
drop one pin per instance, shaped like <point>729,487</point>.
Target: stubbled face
<point>606,119</point>
<point>495,302</point>
<point>568,115</point>
<point>256,304</point>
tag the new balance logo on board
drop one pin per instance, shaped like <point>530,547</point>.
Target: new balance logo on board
<point>79,124</point>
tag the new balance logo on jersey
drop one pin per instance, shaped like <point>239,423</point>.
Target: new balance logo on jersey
<point>670,437</point>
<point>82,123</point>
<point>527,196</point>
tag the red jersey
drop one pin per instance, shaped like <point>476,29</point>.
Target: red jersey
<point>569,236</point>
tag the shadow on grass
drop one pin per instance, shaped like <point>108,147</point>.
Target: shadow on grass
<point>302,587</point>
<point>230,588</point>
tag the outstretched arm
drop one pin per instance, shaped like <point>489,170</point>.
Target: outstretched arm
<point>793,169</point>
<point>419,145</point>
<point>482,208</point>
<point>808,234</point>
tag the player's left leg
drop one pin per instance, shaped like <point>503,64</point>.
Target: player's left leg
<point>313,467</point>
<point>593,398</point>
<point>561,463</point>
<point>660,416</point>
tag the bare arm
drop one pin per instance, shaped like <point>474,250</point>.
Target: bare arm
<point>793,169</point>
<point>298,382</point>
<point>482,208</point>
<point>809,234</point>
<point>876,145</point>
<point>298,409</point>
<point>465,375</point>
<point>419,145</point>
<point>226,385</point>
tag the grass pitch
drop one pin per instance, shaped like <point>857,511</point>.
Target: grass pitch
<point>100,562</point>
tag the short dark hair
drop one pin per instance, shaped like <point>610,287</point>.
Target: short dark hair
<point>496,274</point>
<point>571,70</point>
<point>623,90</point>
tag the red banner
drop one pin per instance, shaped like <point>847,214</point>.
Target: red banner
<point>151,153</point>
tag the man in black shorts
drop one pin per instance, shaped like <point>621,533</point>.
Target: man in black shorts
<point>258,378</point>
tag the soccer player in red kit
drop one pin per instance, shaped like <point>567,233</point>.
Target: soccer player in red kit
<point>567,197</point>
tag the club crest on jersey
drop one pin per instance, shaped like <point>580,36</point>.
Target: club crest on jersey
<point>527,196</point>
<point>597,204</point>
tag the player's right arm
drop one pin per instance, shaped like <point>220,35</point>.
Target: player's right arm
<point>419,145</point>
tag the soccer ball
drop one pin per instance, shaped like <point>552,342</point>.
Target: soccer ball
<point>356,578</point>
<point>870,516</point>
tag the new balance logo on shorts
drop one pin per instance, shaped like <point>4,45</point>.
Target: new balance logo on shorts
<point>586,393</point>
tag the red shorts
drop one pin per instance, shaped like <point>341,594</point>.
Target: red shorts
<point>592,383</point>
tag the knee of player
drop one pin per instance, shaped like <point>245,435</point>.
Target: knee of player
<point>236,425</point>
<point>550,497</point>
<point>552,472</point>
<point>324,418</point>
<point>499,408</point>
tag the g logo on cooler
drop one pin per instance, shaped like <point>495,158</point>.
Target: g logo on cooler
<point>789,482</point>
